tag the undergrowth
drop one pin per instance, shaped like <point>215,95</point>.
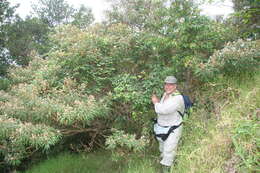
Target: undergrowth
<point>99,161</point>
<point>224,137</point>
<point>221,135</point>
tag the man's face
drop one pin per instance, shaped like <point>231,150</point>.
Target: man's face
<point>169,88</point>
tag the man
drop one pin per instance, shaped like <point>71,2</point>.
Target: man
<point>167,116</point>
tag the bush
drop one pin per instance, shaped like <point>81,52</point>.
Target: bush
<point>19,140</point>
<point>235,59</point>
<point>102,78</point>
<point>123,144</point>
<point>4,83</point>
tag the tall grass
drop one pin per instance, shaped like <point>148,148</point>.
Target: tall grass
<point>97,162</point>
<point>76,163</point>
<point>227,141</point>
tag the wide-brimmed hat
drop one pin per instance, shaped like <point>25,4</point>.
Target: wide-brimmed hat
<point>170,79</point>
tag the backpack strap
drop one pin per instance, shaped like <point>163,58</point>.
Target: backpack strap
<point>182,114</point>
<point>175,94</point>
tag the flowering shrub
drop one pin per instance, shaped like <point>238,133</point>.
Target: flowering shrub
<point>19,140</point>
<point>236,58</point>
<point>61,108</point>
<point>97,79</point>
<point>122,143</point>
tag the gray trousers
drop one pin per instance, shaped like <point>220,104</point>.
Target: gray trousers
<point>168,148</point>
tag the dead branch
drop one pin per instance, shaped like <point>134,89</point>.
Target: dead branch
<point>69,132</point>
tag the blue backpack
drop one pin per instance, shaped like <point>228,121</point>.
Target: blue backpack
<point>188,104</point>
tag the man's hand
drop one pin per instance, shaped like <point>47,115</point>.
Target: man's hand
<point>155,99</point>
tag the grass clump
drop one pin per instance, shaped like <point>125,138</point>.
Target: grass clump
<point>99,161</point>
<point>75,163</point>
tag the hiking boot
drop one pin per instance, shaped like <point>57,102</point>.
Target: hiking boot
<point>165,169</point>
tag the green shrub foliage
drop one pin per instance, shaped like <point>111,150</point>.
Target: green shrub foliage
<point>4,83</point>
<point>101,78</point>
<point>123,144</point>
<point>235,59</point>
<point>19,140</point>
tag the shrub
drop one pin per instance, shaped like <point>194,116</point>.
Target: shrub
<point>123,144</point>
<point>101,78</point>
<point>4,83</point>
<point>19,140</point>
<point>235,59</point>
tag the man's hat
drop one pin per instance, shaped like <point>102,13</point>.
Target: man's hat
<point>170,79</point>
